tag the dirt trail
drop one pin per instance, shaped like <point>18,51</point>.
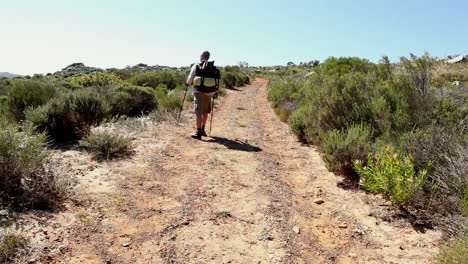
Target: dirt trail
<point>243,196</point>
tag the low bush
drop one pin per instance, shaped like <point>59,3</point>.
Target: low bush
<point>26,94</point>
<point>107,144</point>
<point>154,79</point>
<point>447,151</point>
<point>286,96</point>
<point>71,115</point>
<point>10,245</point>
<point>455,252</point>
<point>230,80</point>
<point>392,175</point>
<point>26,179</point>
<point>131,100</point>
<point>298,125</point>
<point>341,147</point>
<point>234,79</point>
<point>96,79</point>
<point>169,103</point>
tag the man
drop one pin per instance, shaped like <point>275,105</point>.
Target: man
<point>201,95</point>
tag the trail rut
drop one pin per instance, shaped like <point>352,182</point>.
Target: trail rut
<point>244,195</point>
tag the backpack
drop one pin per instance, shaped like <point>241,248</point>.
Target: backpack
<point>206,69</point>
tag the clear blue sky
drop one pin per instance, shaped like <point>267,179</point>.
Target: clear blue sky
<point>46,35</point>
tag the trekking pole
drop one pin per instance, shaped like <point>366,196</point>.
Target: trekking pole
<point>212,112</point>
<point>182,106</point>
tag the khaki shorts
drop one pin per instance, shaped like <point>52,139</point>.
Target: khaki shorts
<point>202,103</point>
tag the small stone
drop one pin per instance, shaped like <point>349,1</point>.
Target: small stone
<point>126,244</point>
<point>296,229</point>
<point>343,226</point>
<point>318,213</point>
<point>352,255</point>
<point>32,261</point>
<point>402,248</point>
<point>319,201</point>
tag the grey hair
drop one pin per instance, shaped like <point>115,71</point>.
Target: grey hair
<point>206,54</point>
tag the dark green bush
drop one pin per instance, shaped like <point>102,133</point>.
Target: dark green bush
<point>25,177</point>
<point>71,115</point>
<point>341,148</point>
<point>131,100</point>
<point>108,145</point>
<point>234,79</point>
<point>230,80</point>
<point>154,79</point>
<point>298,125</point>
<point>28,93</point>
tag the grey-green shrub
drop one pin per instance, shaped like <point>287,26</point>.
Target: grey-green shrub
<point>154,79</point>
<point>70,116</point>
<point>26,179</point>
<point>342,147</point>
<point>230,80</point>
<point>131,100</point>
<point>169,103</point>
<point>297,123</point>
<point>26,94</point>
<point>107,144</point>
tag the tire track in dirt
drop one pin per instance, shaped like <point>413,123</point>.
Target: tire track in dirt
<point>243,196</point>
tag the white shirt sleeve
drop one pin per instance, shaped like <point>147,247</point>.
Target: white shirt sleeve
<point>191,76</point>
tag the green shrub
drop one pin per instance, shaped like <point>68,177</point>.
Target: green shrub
<point>297,123</point>
<point>95,79</point>
<point>391,175</point>
<point>341,148</point>
<point>464,202</point>
<point>230,80</point>
<point>71,115</point>
<point>169,103</point>
<point>108,145</point>
<point>233,79</point>
<point>26,179</point>
<point>455,252</point>
<point>28,93</point>
<point>154,79</point>
<point>132,100</point>
<point>3,105</point>
<point>10,245</point>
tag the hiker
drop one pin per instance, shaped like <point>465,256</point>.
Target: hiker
<point>208,84</point>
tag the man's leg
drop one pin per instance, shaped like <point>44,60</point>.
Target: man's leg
<point>200,121</point>
<point>205,118</point>
<point>199,114</point>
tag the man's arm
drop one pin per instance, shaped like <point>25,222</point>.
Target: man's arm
<point>191,76</point>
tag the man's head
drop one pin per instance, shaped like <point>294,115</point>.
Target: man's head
<point>205,55</point>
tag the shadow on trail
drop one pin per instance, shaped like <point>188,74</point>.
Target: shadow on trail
<point>234,144</point>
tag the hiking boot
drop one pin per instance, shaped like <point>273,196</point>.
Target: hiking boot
<point>198,134</point>
<point>203,132</point>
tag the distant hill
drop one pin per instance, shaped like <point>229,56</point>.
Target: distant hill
<point>8,75</point>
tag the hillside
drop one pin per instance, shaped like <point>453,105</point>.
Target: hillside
<point>8,75</point>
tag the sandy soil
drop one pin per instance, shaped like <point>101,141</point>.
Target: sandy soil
<point>244,195</point>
